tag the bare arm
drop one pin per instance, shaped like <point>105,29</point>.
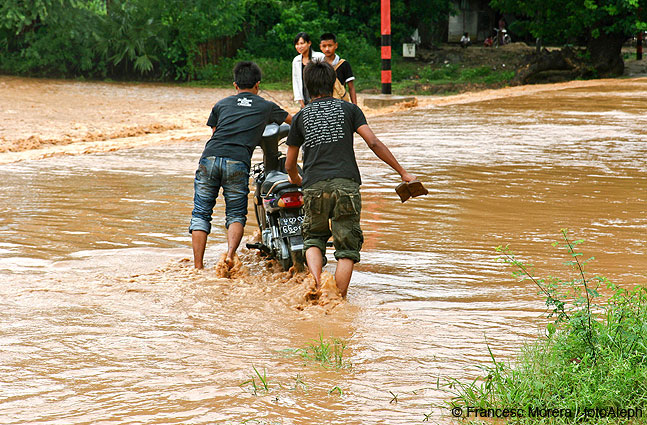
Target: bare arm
<point>351,91</point>
<point>383,152</point>
<point>288,119</point>
<point>291,165</point>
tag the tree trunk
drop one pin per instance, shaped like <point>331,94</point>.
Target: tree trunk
<point>605,60</point>
<point>212,50</point>
<point>553,66</point>
<point>606,54</point>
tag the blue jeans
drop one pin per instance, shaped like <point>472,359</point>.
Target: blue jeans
<point>212,174</point>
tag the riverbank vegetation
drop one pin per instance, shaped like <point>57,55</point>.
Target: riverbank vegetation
<point>591,365</point>
<point>189,39</point>
<point>198,40</point>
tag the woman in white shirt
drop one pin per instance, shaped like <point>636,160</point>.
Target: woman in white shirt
<point>303,45</point>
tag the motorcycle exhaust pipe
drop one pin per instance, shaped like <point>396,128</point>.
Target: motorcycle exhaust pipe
<point>265,250</point>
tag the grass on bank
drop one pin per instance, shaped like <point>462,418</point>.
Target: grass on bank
<point>409,77</point>
<point>594,354</point>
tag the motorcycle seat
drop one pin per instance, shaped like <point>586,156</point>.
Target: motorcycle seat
<point>272,178</point>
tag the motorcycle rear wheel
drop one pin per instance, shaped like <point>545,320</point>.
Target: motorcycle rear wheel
<point>283,254</point>
<point>298,260</point>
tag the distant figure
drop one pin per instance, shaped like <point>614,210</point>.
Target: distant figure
<point>465,40</point>
<point>501,33</point>
<point>303,45</point>
<point>328,45</point>
<point>488,42</point>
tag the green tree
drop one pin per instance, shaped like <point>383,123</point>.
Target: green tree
<point>190,24</point>
<point>49,37</point>
<point>130,38</point>
<point>363,18</point>
<point>18,15</point>
<point>601,25</point>
<point>175,39</point>
<point>355,22</point>
<point>165,39</point>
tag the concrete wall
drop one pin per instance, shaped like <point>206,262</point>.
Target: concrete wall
<point>473,17</point>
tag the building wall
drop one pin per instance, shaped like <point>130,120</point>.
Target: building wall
<point>474,17</point>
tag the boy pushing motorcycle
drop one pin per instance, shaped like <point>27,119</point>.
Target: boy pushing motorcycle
<point>324,129</point>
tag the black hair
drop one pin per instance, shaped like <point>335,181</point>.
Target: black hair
<point>306,38</point>
<point>328,36</point>
<point>319,78</point>
<point>246,74</point>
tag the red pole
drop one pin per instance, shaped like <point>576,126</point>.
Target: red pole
<point>386,46</point>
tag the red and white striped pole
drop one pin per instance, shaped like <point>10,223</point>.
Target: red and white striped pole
<point>386,46</point>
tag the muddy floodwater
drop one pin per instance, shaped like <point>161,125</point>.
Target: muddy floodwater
<point>103,320</point>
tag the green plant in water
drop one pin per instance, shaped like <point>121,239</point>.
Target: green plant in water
<point>299,383</point>
<point>337,390</point>
<point>263,383</point>
<point>593,356</point>
<point>574,294</point>
<point>263,378</point>
<point>329,353</point>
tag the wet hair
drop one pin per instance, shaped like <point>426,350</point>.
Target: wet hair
<point>328,36</point>
<point>246,74</point>
<point>306,38</point>
<point>319,78</point>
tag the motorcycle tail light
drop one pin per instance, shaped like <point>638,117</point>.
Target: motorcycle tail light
<point>291,200</point>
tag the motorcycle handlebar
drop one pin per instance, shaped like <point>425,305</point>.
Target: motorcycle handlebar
<point>276,132</point>
<point>270,144</point>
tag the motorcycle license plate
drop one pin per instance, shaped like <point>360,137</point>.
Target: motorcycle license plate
<point>290,226</point>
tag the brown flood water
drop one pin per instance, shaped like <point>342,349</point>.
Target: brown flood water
<point>103,320</point>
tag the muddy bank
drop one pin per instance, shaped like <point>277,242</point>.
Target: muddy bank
<point>53,117</point>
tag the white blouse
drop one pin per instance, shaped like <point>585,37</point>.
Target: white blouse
<point>297,73</point>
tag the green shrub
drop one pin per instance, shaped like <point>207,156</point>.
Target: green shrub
<point>499,77</point>
<point>274,70</point>
<point>594,354</point>
<point>475,73</point>
<point>446,73</point>
<point>61,44</point>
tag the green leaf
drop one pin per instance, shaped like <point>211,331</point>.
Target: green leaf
<point>593,292</point>
<point>143,64</point>
<point>590,4</point>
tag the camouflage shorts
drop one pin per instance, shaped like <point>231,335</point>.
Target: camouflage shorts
<point>332,208</point>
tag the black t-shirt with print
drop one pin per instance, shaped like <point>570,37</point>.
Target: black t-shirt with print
<point>324,130</point>
<point>240,120</point>
<point>344,72</point>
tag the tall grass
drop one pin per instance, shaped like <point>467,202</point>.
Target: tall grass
<point>328,353</point>
<point>591,363</point>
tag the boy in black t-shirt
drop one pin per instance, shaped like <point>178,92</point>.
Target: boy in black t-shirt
<point>328,45</point>
<point>237,122</point>
<point>324,128</point>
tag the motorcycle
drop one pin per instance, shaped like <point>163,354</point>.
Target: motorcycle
<point>502,37</point>
<point>277,204</point>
